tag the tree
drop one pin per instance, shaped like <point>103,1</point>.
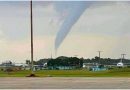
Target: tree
<point>28,62</point>
<point>8,66</point>
<point>66,61</point>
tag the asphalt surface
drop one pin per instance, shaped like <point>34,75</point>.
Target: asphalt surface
<point>64,83</point>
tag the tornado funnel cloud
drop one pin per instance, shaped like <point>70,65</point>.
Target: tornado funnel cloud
<point>77,9</point>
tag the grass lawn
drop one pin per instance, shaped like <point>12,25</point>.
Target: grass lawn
<point>117,72</point>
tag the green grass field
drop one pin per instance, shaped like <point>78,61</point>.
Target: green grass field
<point>117,72</point>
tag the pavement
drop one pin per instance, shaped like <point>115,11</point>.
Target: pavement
<point>64,83</point>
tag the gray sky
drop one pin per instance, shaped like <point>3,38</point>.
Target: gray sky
<point>103,26</point>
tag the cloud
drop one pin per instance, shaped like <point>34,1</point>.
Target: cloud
<point>109,20</point>
<point>101,27</point>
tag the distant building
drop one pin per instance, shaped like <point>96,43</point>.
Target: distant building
<point>13,66</point>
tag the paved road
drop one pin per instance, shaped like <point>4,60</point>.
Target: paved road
<point>64,83</point>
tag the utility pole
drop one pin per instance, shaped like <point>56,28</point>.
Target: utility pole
<point>31,22</point>
<point>122,57</point>
<point>99,53</point>
<point>51,56</point>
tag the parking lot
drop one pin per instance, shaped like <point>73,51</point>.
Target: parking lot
<point>64,83</point>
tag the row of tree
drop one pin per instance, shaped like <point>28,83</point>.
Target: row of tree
<point>66,61</point>
<point>106,61</point>
<point>74,61</point>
